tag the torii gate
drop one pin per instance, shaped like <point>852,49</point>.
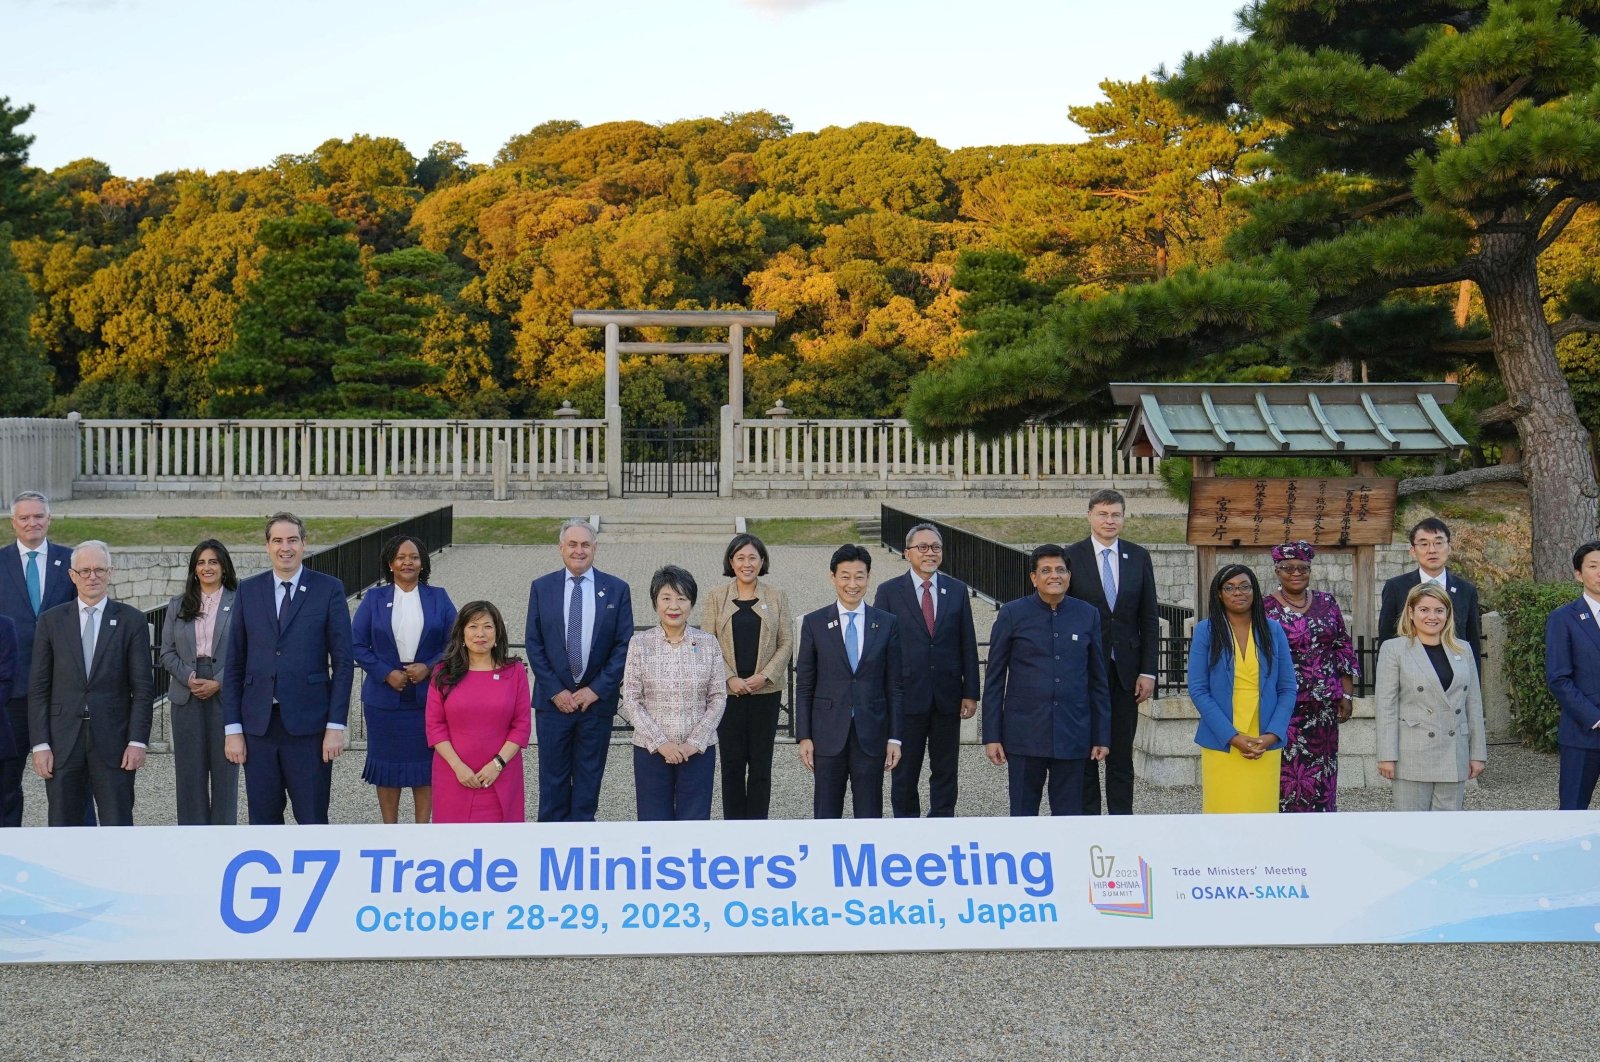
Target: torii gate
<point>613,321</point>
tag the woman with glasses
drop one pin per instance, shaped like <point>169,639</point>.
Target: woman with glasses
<point>193,642</point>
<point>1430,708</point>
<point>1325,669</point>
<point>752,625</point>
<point>1242,682</point>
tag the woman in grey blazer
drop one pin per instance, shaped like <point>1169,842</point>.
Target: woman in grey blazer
<point>1430,708</point>
<point>193,642</point>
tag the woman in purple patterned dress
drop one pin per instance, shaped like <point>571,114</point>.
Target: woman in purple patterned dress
<point>1325,665</point>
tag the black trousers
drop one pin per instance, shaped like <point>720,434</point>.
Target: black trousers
<point>1119,762</point>
<point>745,737</point>
<point>80,771</point>
<point>1028,776</point>
<point>11,767</point>
<point>939,735</point>
<point>280,767</point>
<point>853,766</point>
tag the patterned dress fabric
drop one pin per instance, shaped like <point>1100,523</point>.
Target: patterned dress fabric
<point>1322,650</point>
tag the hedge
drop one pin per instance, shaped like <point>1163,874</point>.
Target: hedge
<point>1526,606</point>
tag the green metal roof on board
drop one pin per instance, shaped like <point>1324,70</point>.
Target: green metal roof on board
<point>1302,420</point>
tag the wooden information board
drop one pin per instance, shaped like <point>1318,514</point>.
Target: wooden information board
<point>1238,513</point>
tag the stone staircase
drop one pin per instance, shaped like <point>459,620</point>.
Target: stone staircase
<point>645,527</point>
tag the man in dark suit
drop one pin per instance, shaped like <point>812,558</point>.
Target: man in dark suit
<point>1046,704</point>
<point>8,676</point>
<point>33,578</point>
<point>89,696</point>
<point>579,623</point>
<point>286,681</point>
<point>939,665</point>
<point>1116,577</point>
<point>1572,670</point>
<point>847,703</point>
<point>1430,548</point>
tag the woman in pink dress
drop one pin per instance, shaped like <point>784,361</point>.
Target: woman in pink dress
<point>478,719</point>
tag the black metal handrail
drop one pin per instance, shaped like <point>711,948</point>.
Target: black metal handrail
<point>995,571</point>
<point>355,562</point>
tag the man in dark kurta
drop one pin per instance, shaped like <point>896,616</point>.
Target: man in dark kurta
<point>1046,701</point>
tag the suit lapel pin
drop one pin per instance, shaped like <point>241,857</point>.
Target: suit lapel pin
<point>599,593</point>
<point>874,626</point>
<point>763,606</point>
<point>497,676</point>
<point>112,622</point>
<point>1074,637</point>
<point>833,624</point>
<point>1124,556</point>
<point>227,608</point>
<point>389,605</point>
<point>941,589</point>
<point>58,564</point>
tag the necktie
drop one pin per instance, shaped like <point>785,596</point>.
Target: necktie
<point>283,606</point>
<point>927,605</point>
<point>575,630</point>
<point>88,640</point>
<point>1108,578</point>
<point>35,591</point>
<point>852,652</point>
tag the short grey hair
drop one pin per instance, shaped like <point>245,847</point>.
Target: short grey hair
<point>923,527</point>
<point>93,543</point>
<point>283,517</point>
<point>576,521</point>
<point>30,495</point>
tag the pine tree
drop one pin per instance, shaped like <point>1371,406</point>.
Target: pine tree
<point>380,372</point>
<point>290,326</point>
<point>1423,143</point>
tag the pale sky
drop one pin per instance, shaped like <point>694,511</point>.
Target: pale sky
<point>154,85</point>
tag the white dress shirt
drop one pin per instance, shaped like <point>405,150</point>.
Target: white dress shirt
<point>586,586</point>
<point>43,561</point>
<point>1424,578</point>
<point>406,622</point>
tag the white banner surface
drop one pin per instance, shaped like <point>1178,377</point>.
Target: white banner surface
<point>629,888</point>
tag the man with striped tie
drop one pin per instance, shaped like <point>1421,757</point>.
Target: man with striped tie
<point>579,623</point>
<point>33,578</point>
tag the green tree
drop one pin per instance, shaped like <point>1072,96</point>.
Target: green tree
<point>17,206</point>
<point>22,365</point>
<point>1421,144</point>
<point>291,324</point>
<point>381,372</point>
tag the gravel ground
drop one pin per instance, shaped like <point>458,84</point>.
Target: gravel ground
<point>1445,1002</point>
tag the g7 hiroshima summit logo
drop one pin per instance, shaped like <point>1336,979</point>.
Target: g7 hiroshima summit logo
<point>1125,893</point>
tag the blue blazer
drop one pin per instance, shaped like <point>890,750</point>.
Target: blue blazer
<point>14,606</point>
<point>937,670</point>
<point>828,696</point>
<point>307,667</point>
<point>1572,670</point>
<point>1211,688</point>
<point>374,646</point>
<point>546,640</point>
<point>8,682</point>
<point>1046,692</point>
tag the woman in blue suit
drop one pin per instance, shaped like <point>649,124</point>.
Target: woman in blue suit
<point>1242,682</point>
<point>400,632</point>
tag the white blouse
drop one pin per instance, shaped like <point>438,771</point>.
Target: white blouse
<point>406,621</point>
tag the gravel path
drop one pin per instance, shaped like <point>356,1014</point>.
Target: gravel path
<point>1447,1002</point>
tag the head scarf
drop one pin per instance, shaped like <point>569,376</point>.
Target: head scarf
<point>1300,551</point>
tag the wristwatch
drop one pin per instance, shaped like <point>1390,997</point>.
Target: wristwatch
<point>500,761</point>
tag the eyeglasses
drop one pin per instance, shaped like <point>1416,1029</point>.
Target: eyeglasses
<point>1295,569</point>
<point>923,547</point>
<point>1237,588</point>
<point>93,573</point>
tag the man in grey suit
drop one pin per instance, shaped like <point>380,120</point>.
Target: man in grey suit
<point>89,703</point>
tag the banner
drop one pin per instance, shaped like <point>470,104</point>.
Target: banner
<point>628,888</point>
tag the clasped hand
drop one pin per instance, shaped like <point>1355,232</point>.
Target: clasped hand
<point>1251,747</point>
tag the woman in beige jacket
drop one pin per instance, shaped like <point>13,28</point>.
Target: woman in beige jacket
<point>1430,708</point>
<point>752,624</point>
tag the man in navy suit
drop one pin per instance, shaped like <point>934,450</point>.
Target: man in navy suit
<point>1116,577</point>
<point>34,577</point>
<point>286,682</point>
<point>579,623</point>
<point>939,666</point>
<point>1430,548</point>
<point>847,703</point>
<point>8,675</point>
<point>1046,702</point>
<point>1572,670</point>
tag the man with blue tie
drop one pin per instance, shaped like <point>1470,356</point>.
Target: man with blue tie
<point>939,655</point>
<point>34,577</point>
<point>1572,671</point>
<point>286,683</point>
<point>1117,577</point>
<point>847,703</point>
<point>1046,703</point>
<point>579,623</point>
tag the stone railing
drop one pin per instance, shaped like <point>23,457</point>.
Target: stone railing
<point>37,454</point>
<point>402,456</point>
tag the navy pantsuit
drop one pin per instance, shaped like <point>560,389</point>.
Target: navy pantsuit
<point>938,671</point>
<point>573,745</point>
<point>1572,670</point>
<point>849,716</point>
<point>284,684</point>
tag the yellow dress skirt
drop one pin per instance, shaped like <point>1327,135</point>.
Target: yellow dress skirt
<point>1229,783</point>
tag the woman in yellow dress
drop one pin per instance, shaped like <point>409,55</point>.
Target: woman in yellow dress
<point>1242,682</point>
